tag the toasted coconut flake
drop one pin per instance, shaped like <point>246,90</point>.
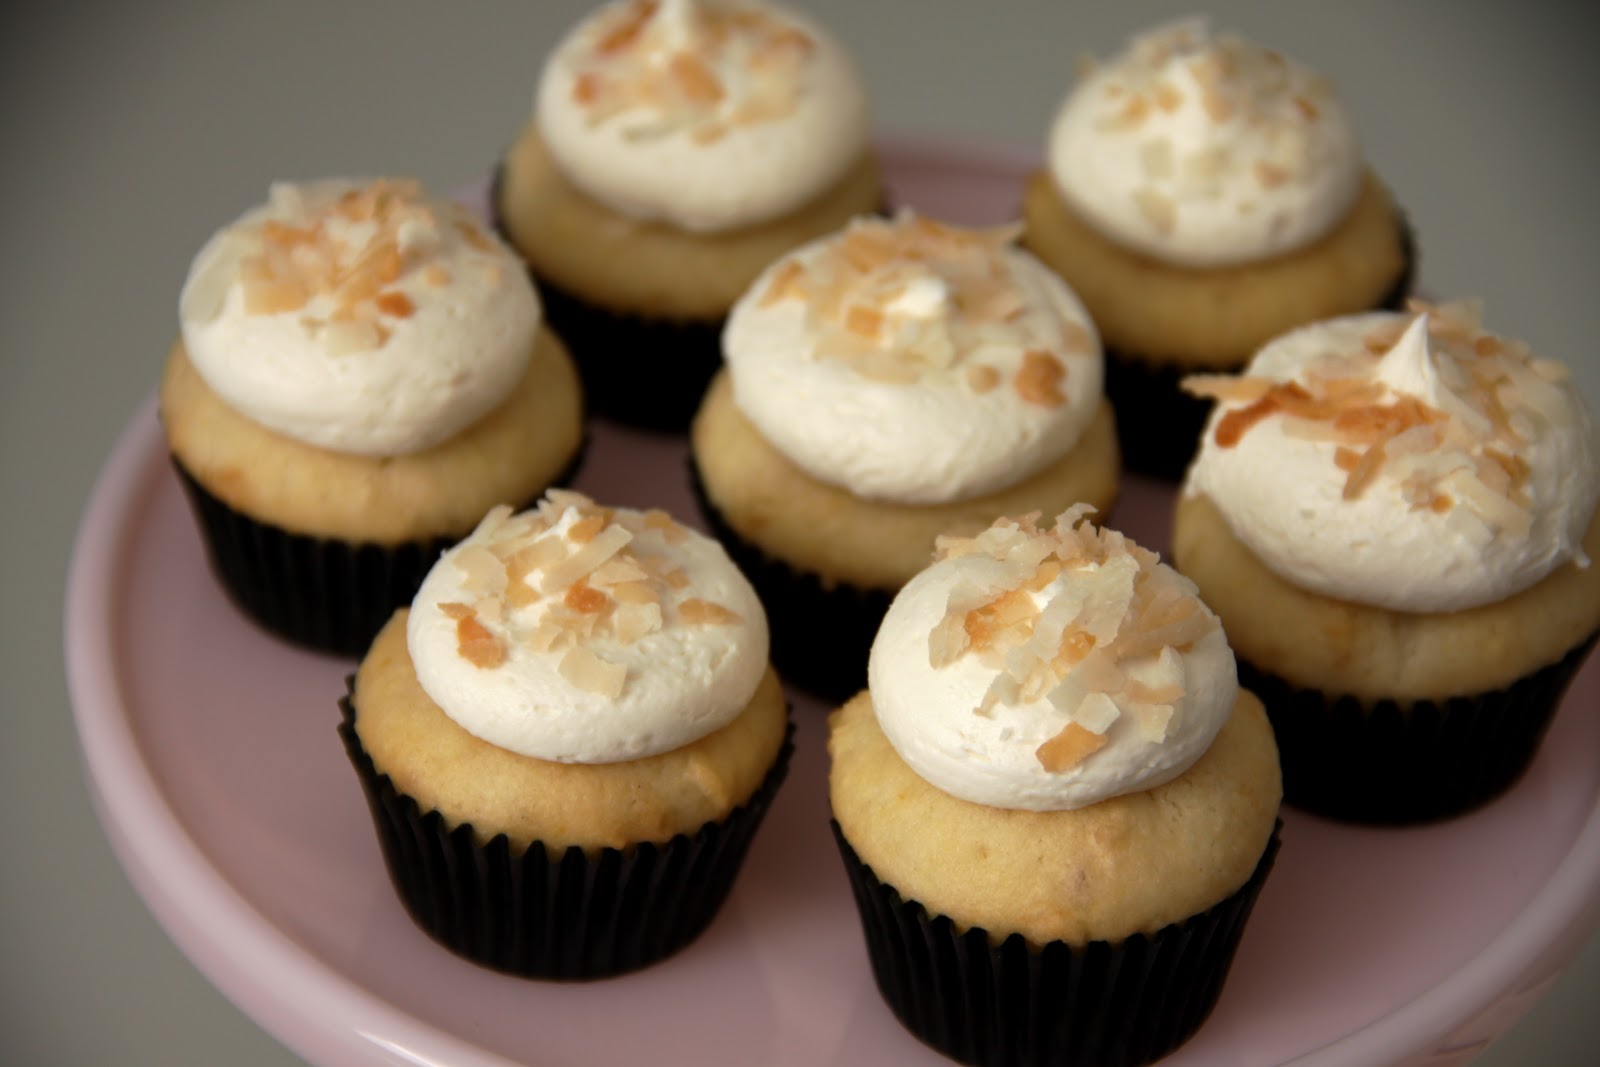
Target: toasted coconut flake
<point>395,303</point>
<point>585,599</point>
<point>1069,748</point>
<point>477,645</point>
<point>697,612</point>
<point>1167,96</point>
<point>1158,209</point>
<point>633,621</point>
<point>587,558</point>
<point>586,529</point>
<point>947,640</point>
<point>1269,174</point>
<point>481,570</point>
<point>1234,390</point>
<point>1365,470</point>
<point>634,592</point>
<point>589,672</point>
<point>1038,380</point>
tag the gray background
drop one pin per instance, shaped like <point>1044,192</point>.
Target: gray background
<point>130,131</point>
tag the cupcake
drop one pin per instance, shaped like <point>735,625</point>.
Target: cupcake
<point>362,373</point>
<point>1393,514</point>
<point>1055,804</point>
<point>675,149</point>
<point>885,384</point>
<point>1204,194</point>
<point>569,739</point>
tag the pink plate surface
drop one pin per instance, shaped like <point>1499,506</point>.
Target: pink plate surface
<point>212,756</point>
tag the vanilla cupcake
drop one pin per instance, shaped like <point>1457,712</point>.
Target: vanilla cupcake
<point>1394,516</point>
<point>1055,804</point>
<point>1204,194</point>
<point>676,149</point>
<point>569,739</point>
<point>363,371</point>
<point>886,384</point>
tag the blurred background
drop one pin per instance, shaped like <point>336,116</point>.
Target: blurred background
<point>130,131</point>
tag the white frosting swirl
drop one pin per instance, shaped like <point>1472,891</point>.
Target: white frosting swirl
<point>1086,669</point>
<point>581,634</point>
<point>1205,151</point>
<point>706,115</point>
<point>912,362</point>
<point>1445,468</point>
<point>360,317</point>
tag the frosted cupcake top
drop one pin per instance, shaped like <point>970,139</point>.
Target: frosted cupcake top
<point>1416,462</point>
<point>361,317</point>
<point>706,114</point>
<point>1205,150</point>
<point>914,362</point>
<point>585,634</point>
<point>1049,669</point>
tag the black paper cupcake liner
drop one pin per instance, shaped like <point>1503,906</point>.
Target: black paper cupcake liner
<point>647,372</point>
<point>320,593</point>
<point>1011,1004</point>
<point>1388,763</point>
<point>1159,425</point>
<point>821,632</point>
<point>563,914</point>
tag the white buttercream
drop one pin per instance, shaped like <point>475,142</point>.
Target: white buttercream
<point>781,119</point>
<point>898,417</point>
<point>1205,150</point>
<point>681,679</point>
<point>409,364</point>
<point>1430,532</point>
<point>943,722</point>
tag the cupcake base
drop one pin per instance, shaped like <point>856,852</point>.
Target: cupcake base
<point>567,914</point>
<point>1394,764</point>
<point>320,593</point>
<point>641,371</point>
<point>822,632</point>
<point>1016,1005</point>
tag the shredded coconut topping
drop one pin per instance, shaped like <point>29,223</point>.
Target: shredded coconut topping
<point>339,261</point>
<point>906,298</point>
<point>581,565</point>
<point>1205,148</point>
<point>1060,617</point>
<point>1463,446</point>
<point>691,65</point>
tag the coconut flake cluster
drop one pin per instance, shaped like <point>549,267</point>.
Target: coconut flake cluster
<point>907,298</point>
<point>581,633</point>
<point>1050,668</point>
<point>1433,408</point>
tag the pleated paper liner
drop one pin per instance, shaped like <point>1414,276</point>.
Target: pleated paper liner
<point>1158,424</point>
<point>319,593</point>
<point>1387,763</point>
<point>1011,1004</point>
<point>647,372</point>
<point>558,914</point>
<point>821,632</point>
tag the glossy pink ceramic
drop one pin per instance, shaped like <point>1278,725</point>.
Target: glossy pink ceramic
<point>213,760</point>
